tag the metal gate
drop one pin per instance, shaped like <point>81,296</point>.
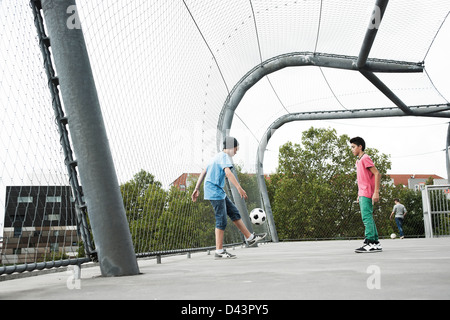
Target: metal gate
<point>436,210</point>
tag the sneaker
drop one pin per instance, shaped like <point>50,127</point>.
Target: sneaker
<point>224,255</point>
<point>377,246</point>
<point>369,247</point>
<point>256,238</point>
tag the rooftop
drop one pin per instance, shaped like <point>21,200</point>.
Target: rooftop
<point>403,178</point>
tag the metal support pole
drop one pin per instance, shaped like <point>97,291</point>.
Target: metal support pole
<point>96,168</point>
<point>386,91</point>
<point>447,154</point>
<point>265,194</point>
<point>240,203</point>
<point>61,121</point>
<point>372,29</point>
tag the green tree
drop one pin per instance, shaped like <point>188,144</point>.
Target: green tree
<point>144,201</point>
<point>162,220</point>
<point>184,224</point>
<point>136,191</point>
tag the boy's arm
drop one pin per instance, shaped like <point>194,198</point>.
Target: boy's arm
<point>392,213</point>
<point>196,192</point>
<point>376,192</point>
<point>233,180</point>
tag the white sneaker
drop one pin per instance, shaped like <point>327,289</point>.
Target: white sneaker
<point>378,246</point>
<point>256,238</point>
<point>224,255</point>
<point>369,247</point>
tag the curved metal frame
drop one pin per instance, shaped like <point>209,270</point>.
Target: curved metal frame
<point>299,59</point>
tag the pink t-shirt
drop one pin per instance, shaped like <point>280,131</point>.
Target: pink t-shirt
<point>366,179</point>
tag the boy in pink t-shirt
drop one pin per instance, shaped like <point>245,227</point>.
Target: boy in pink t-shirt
<point>368,193</point>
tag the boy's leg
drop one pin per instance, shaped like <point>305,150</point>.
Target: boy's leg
<point>233,213</point>
<point>366,207</point>
<point>219,239</point>
<point>371,243</point>
<point>241,226</point>
<point>221,221</point>
<point>250,238</point>
<point>399,222</point>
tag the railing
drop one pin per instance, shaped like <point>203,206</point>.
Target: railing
<point>436,210</point>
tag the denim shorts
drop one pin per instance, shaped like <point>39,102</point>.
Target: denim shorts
<point>222,208</point>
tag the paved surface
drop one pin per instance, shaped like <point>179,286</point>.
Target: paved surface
<point>406,269</point>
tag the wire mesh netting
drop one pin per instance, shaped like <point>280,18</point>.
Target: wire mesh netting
<point>163,70</point>
<point>37,219</point>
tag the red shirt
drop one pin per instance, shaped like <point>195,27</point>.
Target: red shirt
<point>365,177</point>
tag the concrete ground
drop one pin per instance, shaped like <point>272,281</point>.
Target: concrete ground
<point>406,269</point>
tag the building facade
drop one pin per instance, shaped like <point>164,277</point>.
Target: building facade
<point>40,224</point>
<point>416,181</point>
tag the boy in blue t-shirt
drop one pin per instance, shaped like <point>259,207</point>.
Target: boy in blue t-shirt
<point>214,175</point>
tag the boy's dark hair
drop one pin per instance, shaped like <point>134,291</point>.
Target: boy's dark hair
<point>230,143</point>
<point>359,142</point>
<point>397,199</point>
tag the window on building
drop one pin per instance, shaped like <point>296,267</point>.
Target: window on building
<point>53,198</point>
<point>52,217</point>
<point>24,199</point>
<point>72,199</point>
<point>17,217</point>
<point>17,232</point>
<point>54,247</point>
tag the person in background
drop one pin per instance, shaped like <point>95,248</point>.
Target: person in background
<point>400,212</point>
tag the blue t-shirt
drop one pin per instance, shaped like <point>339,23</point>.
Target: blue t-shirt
<point>215,176</point>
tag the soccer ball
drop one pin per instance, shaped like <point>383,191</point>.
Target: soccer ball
<point>393,236</point>
<point>258,216</point>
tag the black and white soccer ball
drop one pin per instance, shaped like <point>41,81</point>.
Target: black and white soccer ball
<point>258,216</point>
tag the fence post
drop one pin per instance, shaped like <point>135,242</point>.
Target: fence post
<point>426,208</point>
<point>96,168</point>
<point>447,154</point>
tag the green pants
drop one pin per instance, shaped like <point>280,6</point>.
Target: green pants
<point>366,207</point>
